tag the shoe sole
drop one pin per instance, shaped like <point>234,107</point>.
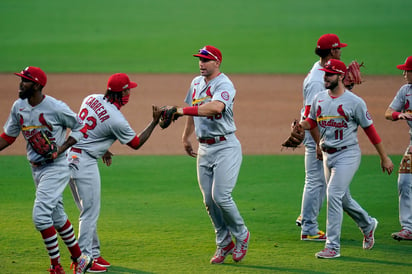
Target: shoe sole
<point>322,257</point>
<point>399,238</point>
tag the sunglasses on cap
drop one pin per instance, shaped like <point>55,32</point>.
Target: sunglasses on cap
<point>207,53</point>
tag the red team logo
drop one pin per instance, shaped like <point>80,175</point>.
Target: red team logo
<point>225,95</point>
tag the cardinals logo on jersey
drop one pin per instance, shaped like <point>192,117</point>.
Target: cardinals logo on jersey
<point>342,113</point>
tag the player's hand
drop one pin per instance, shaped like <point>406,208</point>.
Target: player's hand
<point>405,116</point>
<point>157,112</point>
<point>387,165</point>
<point>319,154</point>
<point>107,158</point>
<point>189,149</point>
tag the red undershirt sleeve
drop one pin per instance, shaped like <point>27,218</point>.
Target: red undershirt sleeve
<point>307,111</point>
<point>10,140</point>
<point>312,123</point>
<point>372,134</point>
<point>134,143</point>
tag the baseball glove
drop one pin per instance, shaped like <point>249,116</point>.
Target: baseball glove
<point>353,75</point>
<point>43,146</point>
<point>169,115</point>
<point>296,137</point>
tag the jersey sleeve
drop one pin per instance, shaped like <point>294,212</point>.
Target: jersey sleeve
<point>71,120</point>
<point>362,115</point>
<point>400,101</point>
<point>225,93</point>
<point>123,131</point>
<point>12,126</point>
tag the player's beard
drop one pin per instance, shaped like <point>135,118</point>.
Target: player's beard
<point>332,84</point>
<point>27,93</point>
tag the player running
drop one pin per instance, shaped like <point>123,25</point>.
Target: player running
<point>105,124</point>
<point>401,109</point>
<point>32,114</point>
<point>337,113</point>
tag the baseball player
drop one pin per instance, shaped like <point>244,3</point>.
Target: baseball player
<point>328,47</point>
<point>219,156</point>
<point>106,124</point>
<point>32,114</point>
<point>337,113</point>
<point>401,109</point>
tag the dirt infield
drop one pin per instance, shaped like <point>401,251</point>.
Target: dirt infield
<point>264,108</point>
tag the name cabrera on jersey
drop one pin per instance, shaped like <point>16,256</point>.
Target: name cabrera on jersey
<point>105,124</point>
<point>220,89</point>
<point>403,102</point>
<point>338,118</point>
<point>51,116</point>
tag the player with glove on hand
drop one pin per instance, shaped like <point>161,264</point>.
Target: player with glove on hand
<point>43,121</point>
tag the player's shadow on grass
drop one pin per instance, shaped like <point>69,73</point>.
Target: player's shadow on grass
<point>374,261</point>
<point>124,270</point>
<point>272,268</point>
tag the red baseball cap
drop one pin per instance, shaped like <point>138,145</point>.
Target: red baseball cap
<point>407,65</point>
<point>119,82</point>
<point>210,52</point>
<point>335,66</point>
<point>330,41</point>
<point>34,74</point>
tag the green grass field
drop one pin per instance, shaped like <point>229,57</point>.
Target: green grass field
<point>153,219</point>
<point>159,36</point>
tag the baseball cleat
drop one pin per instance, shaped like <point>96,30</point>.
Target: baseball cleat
<point>241,248</point>
<point>102,262</point>
<point>81,264</point>
<point>299,221</point>
<point>327,253</point>
<point>320,236</point>
<point>56,269</point>
<point>404,234</point>
<point>96,268</point>
<point>369,238</point>
<point>221,253</point>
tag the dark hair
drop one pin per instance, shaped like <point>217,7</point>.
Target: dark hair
<point>322,53</point>
<point>113,97</point>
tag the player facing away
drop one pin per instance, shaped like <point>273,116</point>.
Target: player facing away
<point>106,124</point>
<point>219,156</point>
<point>337,113</point>
<point>328,47</point>
<point>401,109</point>
<point>31,113</point>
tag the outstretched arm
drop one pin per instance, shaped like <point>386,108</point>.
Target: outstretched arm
<point>393,115</point>
<point>143,136</point>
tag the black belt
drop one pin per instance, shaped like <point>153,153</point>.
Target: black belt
<point>211,141</point>
<point>41,163</point>
<point>331,150</point>
<point>75,149</point>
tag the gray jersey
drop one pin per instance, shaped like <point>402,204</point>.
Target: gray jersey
<point>338,118</point>
<point>105,124</point>
<point>312,85</point>
<point>402,102</point>
<point>51,116</point>
<point>221,89</point>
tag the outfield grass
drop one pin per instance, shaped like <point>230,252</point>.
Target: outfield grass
<point>153,219</point>
<point>159,36</point>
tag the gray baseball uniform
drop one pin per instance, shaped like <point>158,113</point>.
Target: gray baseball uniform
<point>219,156</point>
<point>402,102</point>
<point>51,177</point>
<point>338,120</point>
<point>105,124</point>
<point>315,186</point>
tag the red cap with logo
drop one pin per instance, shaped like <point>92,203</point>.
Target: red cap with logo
<point>407,65</point>
<point>335,66</point>
<point>119,82</point>
<point>330,41</point>
<point>210,52</point>
<point>34,74</point>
